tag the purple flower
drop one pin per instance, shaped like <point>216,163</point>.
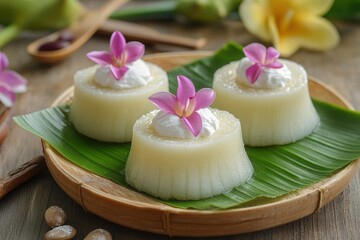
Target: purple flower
<point>261,57</point>
<point>10,82</point>
<point>121,53</point>
<point>186,103</point>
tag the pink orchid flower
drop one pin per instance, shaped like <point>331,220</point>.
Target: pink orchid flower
<point>10,82</point>
<point>121,53</point>
<point>186,103</point>
<point>262,58</point>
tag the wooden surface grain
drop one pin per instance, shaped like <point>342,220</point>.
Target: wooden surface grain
<point>22,210</point>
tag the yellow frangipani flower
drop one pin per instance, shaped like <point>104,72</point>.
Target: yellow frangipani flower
<point>290,24</point>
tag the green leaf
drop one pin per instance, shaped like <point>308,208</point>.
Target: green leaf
<point>202,71</point>
<point>345,10</point>
<point>278,169</point>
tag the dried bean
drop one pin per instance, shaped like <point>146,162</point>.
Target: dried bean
<point>65,232</point>
<point>63,40</point>
<point>98,234</point>
<point>54,45</point>
<point>55,216</point>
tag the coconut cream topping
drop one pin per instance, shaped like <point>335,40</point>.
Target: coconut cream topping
<point>137,75</point>
<point>269,77</point>
<point>170,125</point>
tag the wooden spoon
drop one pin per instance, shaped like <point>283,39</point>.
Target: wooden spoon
<point>81,30</point>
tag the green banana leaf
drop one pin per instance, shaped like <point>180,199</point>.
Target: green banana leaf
<point>278,169</point>
<point>345,10</point>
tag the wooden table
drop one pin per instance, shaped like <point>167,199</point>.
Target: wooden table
<point>22,211</point>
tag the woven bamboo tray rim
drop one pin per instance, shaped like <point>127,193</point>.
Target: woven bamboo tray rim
<point>135,210</point>
<point>5,118</point>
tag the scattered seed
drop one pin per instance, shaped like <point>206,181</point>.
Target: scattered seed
<point>98,234</point>
<point>54,45</point>
<point>65,232</point>
<point>55,216</point>
<point>62,41</point>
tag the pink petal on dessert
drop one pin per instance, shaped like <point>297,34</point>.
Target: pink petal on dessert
<point>117,44</point>
<point>118,72</point>
<point>271,55</point>
<point>167,102</point>
<point>275,64</point>
<point>6,97</point>
<point>203,98</point>
<point>13,81</point>
<point>100,57</point>
<point>255,52</point>
<point>4,61</point>
<point>253,72</point>
<point>133,51</point>
<point>185,91</point>
<point>194,123</point>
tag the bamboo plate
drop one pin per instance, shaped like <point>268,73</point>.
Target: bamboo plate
<point>5,117</point>
<point>135,210</point>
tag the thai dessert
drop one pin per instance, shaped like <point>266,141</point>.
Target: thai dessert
<point>270,96</point>
<point>110,96</point>
<point>186,150</point>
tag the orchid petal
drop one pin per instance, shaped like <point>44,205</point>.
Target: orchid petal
<point>255,52</point>
<point>185,104</point>
<point>185,91</point>
<point>133,51</point>
<point>253,72</point>
<point>100,57</point>
<point>167,102</point>
<point>6,97</point>
<point>271,55</point>
<point>118,72</point>
<point>194,123</point>
<point>117,44</point>
<point>4,61</point>
<point>274,65</point>
<point>13,81</point>
<point>203,98</point>
<point>10,82</point>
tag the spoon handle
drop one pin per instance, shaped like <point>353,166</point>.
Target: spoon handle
<point>21,174</point>
<point>149,35</point>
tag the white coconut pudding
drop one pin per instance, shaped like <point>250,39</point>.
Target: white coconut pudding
<point>111,96</point>
<point>269,96</point>
<point>187,151</point>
